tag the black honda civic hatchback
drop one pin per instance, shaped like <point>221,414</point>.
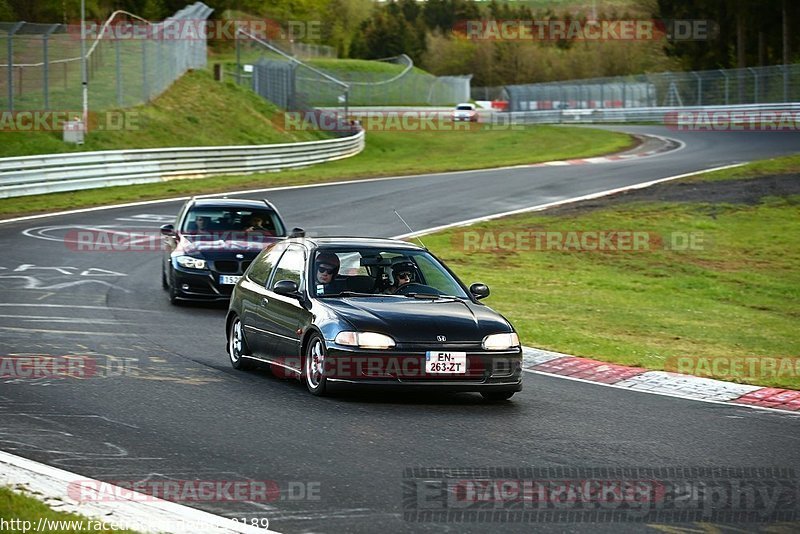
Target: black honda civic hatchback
<point>211,244</point>
<point>361,311</point>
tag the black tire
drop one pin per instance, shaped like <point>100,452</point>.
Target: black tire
<point>164,283</point>
<point>497,396</point>
<point>237,346</point>
<point>172,292</point>
<point>314,366</point>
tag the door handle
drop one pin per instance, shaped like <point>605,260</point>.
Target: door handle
<point>264,300</point>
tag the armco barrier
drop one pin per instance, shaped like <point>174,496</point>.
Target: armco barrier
<point>661,115</point>
<point>31,175</point>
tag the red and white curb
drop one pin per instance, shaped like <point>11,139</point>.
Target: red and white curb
<point>658,382</point>
<point>144,514</point>
<point>666,145</point>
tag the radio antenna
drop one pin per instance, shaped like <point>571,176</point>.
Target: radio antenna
<point>409,228</point>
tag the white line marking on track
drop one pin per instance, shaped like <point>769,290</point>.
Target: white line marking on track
<point>681,146</point>
<point>541,207</point>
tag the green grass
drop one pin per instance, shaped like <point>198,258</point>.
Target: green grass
<point>782,165</point>
<point>17,506</point>
<point>388,153</point>
<point>195,111</point>
<point>738,296</point>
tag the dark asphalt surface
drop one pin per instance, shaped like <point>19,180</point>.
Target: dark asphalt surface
<point>185,414</point>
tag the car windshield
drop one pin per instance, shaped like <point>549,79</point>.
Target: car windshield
<point>214,220</point>
<point>376,271</point>
<point>464,107</point>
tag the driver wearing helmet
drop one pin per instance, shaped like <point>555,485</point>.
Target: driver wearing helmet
<point>402,274</point>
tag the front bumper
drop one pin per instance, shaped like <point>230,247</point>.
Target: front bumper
<point>486,371</point>
<point>193,284</point>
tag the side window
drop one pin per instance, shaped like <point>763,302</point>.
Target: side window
<point>290,267</point>
<point>259,272</point>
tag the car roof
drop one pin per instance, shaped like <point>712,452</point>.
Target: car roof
<point>230,203</point>
<point>351,241</point>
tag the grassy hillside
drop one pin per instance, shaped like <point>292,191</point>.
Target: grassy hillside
<point>195,111</point>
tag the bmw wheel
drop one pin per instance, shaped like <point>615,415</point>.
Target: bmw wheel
<point>237,346</point>
<point>314,366</point>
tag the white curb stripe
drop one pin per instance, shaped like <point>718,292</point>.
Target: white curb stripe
<point>658,383</point>
<point>150,515</point>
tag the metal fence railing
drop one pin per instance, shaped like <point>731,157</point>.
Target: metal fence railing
<point>129,60</point>
<point>305,85</point>
<point>669,116</point>
<point>755,85</point>
<point>30,175</point>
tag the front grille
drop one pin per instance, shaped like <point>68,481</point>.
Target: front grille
<point>245,265</point>
<point>227,267</point>
<point>468,346</point>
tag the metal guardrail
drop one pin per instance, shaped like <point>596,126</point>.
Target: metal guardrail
<point>661,115</point>
<point>31,175</point>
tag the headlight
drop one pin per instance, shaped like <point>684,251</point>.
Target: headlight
<point>500,341</point>
<point>190,262</point>
<point>364,340</point>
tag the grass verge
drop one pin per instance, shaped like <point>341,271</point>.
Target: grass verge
<point>388,153</point>
<point>735,295</point>
<point>25,514</point>
<point>195,111</point>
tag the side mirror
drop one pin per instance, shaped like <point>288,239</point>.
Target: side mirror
<point>168,230</point>
<point>479,291</point>
<point>297,232</point>
<point>287,288</point>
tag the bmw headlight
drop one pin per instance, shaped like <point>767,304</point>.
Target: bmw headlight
<point>501,341</point>
<point>191,263</point>
<point>364,340</point>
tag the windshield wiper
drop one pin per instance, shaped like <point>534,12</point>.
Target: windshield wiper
<point>351,294</point>
<point>428,296</point>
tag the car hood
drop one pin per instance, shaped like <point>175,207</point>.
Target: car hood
<point>223,245</point>
<point>420,320</point>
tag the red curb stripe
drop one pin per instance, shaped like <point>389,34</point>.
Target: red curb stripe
<point>587,369</point>
<point>782,399</point>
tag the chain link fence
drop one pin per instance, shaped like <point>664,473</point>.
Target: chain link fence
<point>129,60</point>
<point>756,85</point>
<point>294,85</point>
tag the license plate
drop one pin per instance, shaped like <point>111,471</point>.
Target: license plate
<point>454,363</point>
<point>227,279</point>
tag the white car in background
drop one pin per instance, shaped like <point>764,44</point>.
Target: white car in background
<point>465,112</point>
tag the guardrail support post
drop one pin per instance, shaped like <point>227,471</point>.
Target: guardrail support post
<point>118,54</point>
<point>10,46</point>
<point>726,85</point>
<point>145,89</point>
<point>46,62</point>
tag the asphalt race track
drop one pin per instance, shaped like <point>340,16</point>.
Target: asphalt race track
<point>185,414</point>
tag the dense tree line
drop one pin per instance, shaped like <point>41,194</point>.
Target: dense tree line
<point>750,33</point>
